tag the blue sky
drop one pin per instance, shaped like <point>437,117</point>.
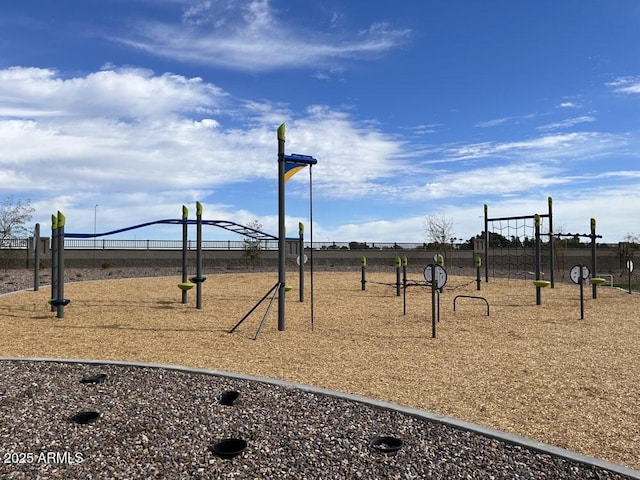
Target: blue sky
<point>412,108</point>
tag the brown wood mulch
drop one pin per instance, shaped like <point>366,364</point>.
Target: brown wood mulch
<point>537,371</point>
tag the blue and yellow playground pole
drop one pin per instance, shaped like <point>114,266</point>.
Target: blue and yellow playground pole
<point>281,231</point>
<point>279,289</point>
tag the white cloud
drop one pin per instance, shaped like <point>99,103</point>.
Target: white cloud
<point>499,180</point>
<point>70,140</point>
<point>126,93</point>
<point>248,36</point>
<point>567,123</point>
<point>500,121</point>
<point>626,85</point>
<point>548,147</point>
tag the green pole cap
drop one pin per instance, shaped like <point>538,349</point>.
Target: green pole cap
<point>537,219</point>
<point>300,228</point>
<point>398,262</point>
<point>478,261</point>
<point>405,261</point>
<point>593,224</point>
<point>198,209</point>
<point>440,260</point>
<point>61,219</point>
<point>281,132</point>
<point>185,212</point>
<point>364,261</point>
<point>54,222</point>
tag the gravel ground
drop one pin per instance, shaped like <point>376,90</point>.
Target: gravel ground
<point>158,423</point>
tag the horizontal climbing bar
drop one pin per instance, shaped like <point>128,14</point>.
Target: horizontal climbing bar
<point>470,296</point>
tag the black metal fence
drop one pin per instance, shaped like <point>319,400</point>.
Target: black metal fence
<point>15,243</point>
<point>115,244</point>
<point>110,244</point>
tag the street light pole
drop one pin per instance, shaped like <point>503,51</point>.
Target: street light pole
<point>95,224</point>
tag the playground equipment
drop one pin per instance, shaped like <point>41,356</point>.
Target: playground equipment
<point>288,165</point>
<point>436,276</point>
<point>402,283</point>
<point>539,282</point>
<point>630,270</point>
<point>578,274</point>
<point>184,285</point>
<point>593,236</point>
<point>514,227</point>
<point>36,258</point>
<point>478,267</point>
<point>58,302</point>
<point>401,278</point>
<point>198,279</point>
<point>455,299</point>
<point>520,223</point>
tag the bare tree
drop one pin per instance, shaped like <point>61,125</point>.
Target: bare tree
<point>438,229</point>
<point>13,217</point>
<point>629,248</point>
<point>253,246</point>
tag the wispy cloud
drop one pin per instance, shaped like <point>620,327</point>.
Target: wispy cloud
<point>559,146</point>
<point>248,36</point>
<point>500,121</point>
<point>569,105</point>
<point>425,129</point>
<point>626,85</point>
<point>498,180</point>
<point>569,122</point>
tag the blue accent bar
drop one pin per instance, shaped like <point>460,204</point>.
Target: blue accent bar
<point>300,159</point>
